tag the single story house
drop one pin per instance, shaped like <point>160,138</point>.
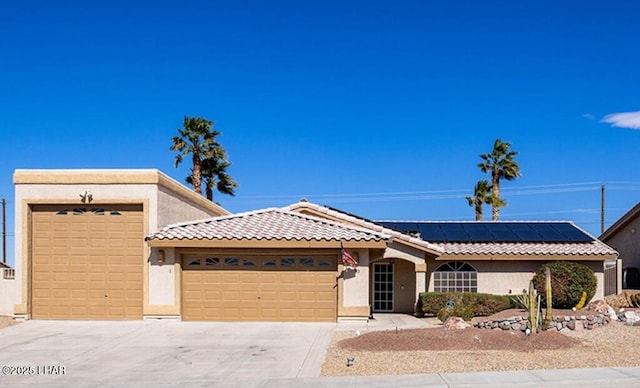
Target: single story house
<point>135,244</point>
<point>624,236</point>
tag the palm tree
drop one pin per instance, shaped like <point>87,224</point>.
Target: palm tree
<point>501,164</point>
<point>481,196</point>
<point>208,157</point>
<point>214,175</point>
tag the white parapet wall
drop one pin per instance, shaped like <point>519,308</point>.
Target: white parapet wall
<point>9,291</point>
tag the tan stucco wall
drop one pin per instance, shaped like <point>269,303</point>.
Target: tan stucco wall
<point>404,287</point>
<point>175,208</point>
<point>505,277</point>
<point>28,194</point>
<point>164,201</point>
<point>627,242</point>
<point>408,268</point>
<point>356,284</point>
<point>400,251</point>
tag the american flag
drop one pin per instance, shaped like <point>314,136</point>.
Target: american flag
<point>347,259</point>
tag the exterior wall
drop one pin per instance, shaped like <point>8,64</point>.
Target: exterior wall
<point>173,205</point>
<point>174,208</point>
<point>400,251</point>
<point>353,287</point>
<point>9,294</point>
<point>164,201</point>
<point>404,287</point>
<point>407,282</point>
<point>627,242</point>
<point>512,277</point>
<point>28,194</point>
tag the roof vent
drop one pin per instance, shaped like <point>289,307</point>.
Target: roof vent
<point>303,199</point>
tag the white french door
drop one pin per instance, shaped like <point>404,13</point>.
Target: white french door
<point>383,287</point>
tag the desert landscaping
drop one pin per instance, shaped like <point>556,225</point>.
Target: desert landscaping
<point>436,350</point>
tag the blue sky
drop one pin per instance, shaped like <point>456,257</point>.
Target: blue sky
<point>379,108</point>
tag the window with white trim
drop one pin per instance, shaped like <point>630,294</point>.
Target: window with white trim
<point>455,276</point>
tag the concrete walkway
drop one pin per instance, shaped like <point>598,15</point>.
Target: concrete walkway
<point>592,377</point>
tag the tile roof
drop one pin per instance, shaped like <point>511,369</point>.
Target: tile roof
<point>267,224</point>
<point>591,248</point>
<point>546,238</point>
<point>362,222</point>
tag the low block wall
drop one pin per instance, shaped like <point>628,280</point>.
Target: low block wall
<point>570,322</point>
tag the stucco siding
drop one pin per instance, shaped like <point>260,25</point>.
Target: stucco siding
<point>400,251</point>
<point>60,193</point>
<point>404,287</point>
<point>9,295</point>
<point>356,284</point>
<point>627,242</point>
<point>174,208</point>
<point>512,277</point>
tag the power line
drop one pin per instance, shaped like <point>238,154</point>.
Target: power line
<point>434,194</point>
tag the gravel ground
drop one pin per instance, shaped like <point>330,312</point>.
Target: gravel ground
<point>435,350</point>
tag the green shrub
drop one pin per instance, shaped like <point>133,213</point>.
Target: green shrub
<point>479,304</point>
<point>464,312</point>
<point>486,304</point>
<point>568,281</point>
<point>432,302</point>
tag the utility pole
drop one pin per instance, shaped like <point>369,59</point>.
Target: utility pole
<point>602,210</point>
<point>4,231</point>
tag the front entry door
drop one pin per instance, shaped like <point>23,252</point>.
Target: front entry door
<point>382,287</point>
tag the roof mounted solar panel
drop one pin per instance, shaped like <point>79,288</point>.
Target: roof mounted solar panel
<point>505,235</point>
<point>572,233</point>
<point>431,231</point>
<point>497,232</point>
<point>478,232</point>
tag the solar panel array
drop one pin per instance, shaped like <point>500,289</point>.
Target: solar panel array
<point>557,232</point>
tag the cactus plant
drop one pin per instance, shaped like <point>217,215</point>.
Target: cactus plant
<point>532,308</point>
<point>583,300</point>
<point>547,289</point>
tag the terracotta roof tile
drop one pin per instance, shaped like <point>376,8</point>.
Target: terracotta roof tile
<point>351,219</point>
<point>591,248</point>
<point>267,224</point>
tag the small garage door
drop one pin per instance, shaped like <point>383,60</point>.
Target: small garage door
<point>259,289</point>
<point>87,262</point>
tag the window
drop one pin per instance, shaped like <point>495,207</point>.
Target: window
<point>455,276</point>
<point>231,261</point>
<point>307,262</point>
<point>212,261</point>
<point>248,263</point>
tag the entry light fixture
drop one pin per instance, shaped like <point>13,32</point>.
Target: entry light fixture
<point>350,361</point>
<point>161,256</point>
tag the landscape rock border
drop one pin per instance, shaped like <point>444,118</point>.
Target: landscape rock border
<point>573,322</point>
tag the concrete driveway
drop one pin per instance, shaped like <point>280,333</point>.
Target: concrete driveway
<point>166,353</point>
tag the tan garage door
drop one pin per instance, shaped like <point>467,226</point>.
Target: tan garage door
<point>259,289</point>
<point>87,262</point>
